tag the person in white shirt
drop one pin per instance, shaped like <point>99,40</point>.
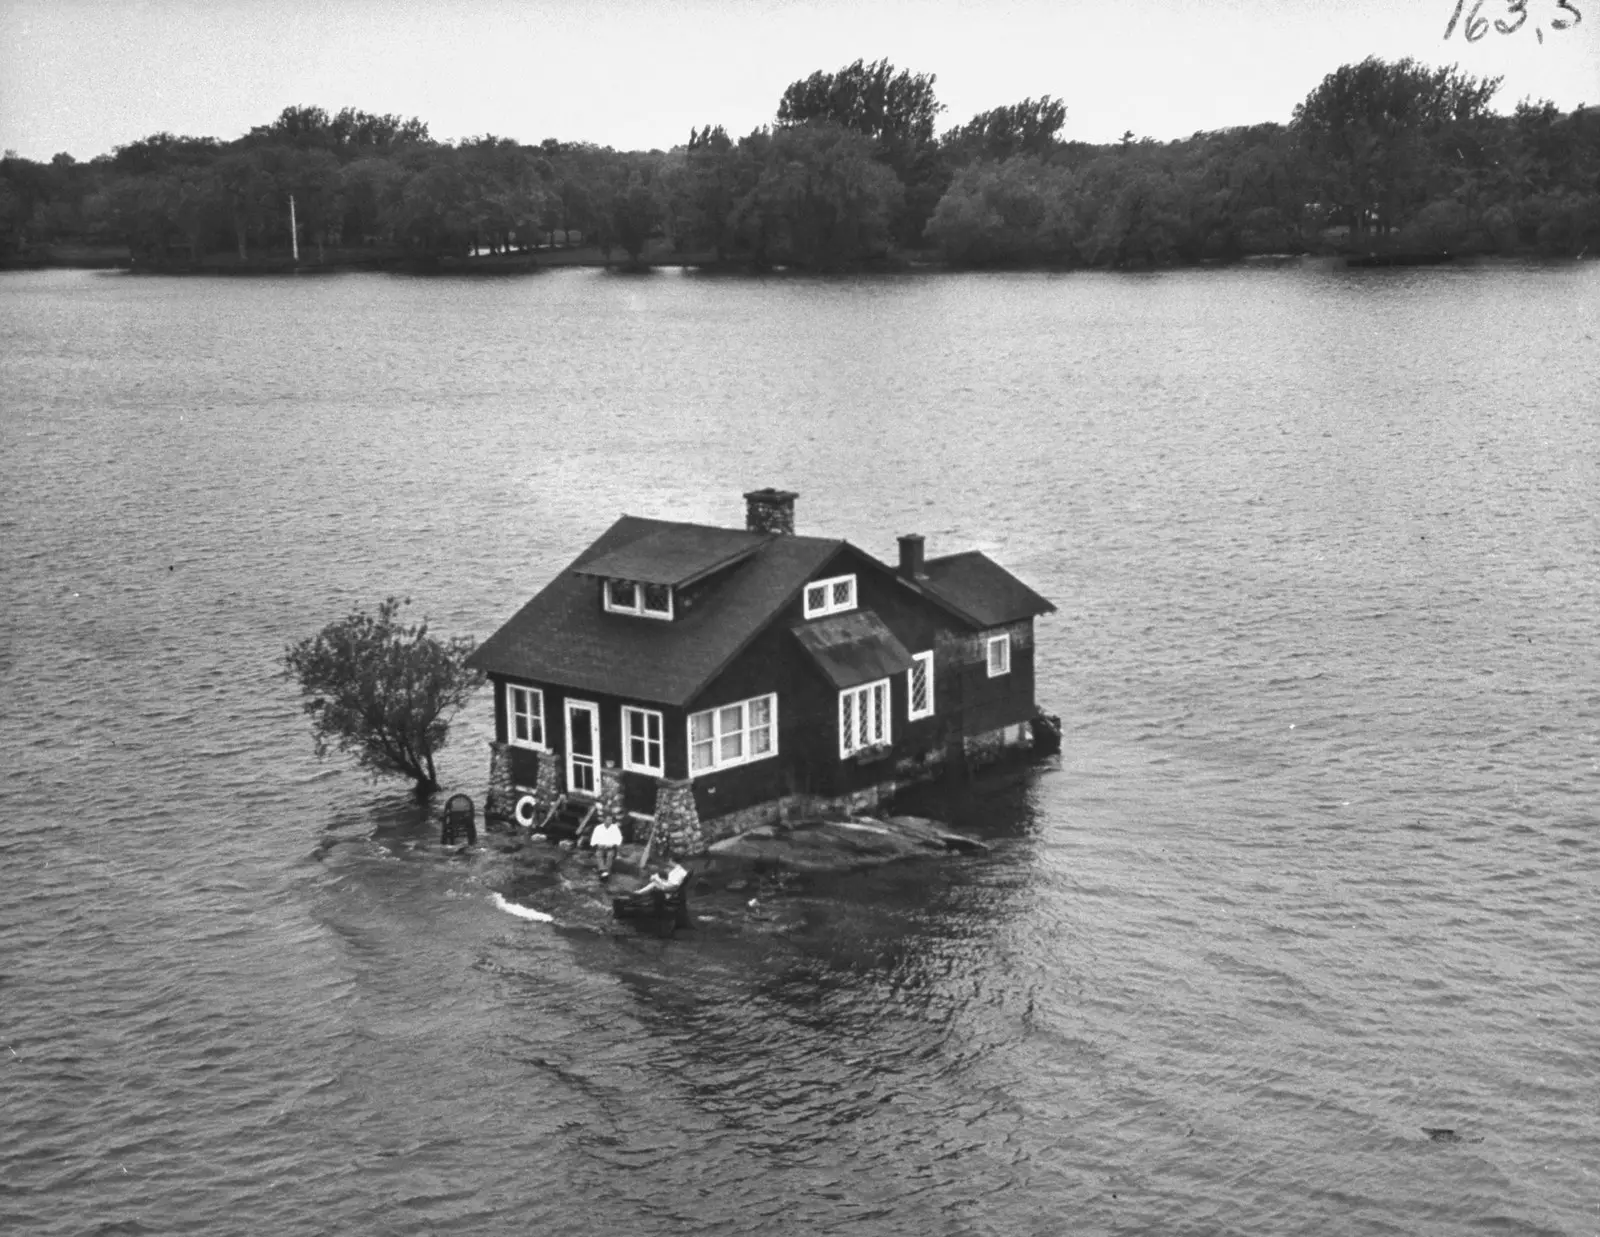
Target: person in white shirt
<point>606,840</point>
<point>670,881</point>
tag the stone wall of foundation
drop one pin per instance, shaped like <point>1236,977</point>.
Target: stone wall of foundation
<point>679,827</point>
<point>973,752</point>
<point>547,784</point>
<point>995,745</point>
<point>608,804</point>
<point>499,806</point>
<point>677,833</point>
<point>757,814</point>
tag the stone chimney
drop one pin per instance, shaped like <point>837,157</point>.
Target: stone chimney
<point>770,511</point>
<point>911,557</point>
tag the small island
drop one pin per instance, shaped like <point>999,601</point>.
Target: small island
<point>742,884</point>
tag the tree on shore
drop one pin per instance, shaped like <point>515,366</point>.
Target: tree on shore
<point>383,691</point>
<point>1026,128</point>
<point>635,211</point>
<point>819,202</point>
<point>897,110</point>
<point>1371,131</point>
<point>1379,155</point>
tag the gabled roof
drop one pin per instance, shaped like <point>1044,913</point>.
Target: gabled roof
<point>981,589</point>
<point>677,554</point>
<point>852,649</point>
<point>564,637</point>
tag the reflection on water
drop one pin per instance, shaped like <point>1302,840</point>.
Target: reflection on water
<point>1311,874</point>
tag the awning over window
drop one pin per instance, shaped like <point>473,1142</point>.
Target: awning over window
<point>852,649</point>
<point>678,556</point>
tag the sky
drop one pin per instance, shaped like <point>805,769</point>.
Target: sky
<point>85,76</point>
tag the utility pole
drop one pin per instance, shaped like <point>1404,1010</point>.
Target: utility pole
<point>294,232</point>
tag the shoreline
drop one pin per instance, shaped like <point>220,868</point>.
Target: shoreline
<point>534,262</point>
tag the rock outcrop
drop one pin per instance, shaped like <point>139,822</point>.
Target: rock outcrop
<point>842,845</point>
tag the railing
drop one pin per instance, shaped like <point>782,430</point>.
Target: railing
<point>556,810</point>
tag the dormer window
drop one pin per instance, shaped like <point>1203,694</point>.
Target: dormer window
<point>629,597</point>
<point>831,596</point>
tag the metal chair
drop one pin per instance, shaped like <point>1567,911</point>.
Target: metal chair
<point>458,818</point>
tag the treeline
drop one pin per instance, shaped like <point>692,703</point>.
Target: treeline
<point>853,171</point>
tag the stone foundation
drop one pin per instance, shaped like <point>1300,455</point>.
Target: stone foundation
<point>608,804</point>
<point>677,833</point>
<point>547,783</point>
<point>995,745</point>
<point>757,814</point>
<point>499,807</point>
<point>972,752</point>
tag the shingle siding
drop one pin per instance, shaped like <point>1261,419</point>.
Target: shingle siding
<point>808,704</point>
<point>973,700</point>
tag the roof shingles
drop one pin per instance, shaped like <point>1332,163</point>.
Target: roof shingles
<point>982,589</point>
<point>564,637</point>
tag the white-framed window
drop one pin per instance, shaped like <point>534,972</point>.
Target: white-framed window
<point>919,687</point>
<point>863,717</point>
<point>999,655</point>
<point>733,734</point>
<point>525,717</point>
<point>626,597</point>
<point>830,596</point>
<point>641,741</point>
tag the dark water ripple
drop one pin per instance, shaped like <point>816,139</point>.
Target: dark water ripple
<point>1316,870</point>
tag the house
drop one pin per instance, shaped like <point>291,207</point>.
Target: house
<point>703,680</point>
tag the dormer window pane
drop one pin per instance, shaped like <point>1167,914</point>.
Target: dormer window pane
<point>831,596</point>
<point>630,597</point>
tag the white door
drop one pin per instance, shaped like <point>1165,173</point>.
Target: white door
<point>583,747</point>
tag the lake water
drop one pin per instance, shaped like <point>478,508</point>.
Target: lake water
<point>1316,870</point>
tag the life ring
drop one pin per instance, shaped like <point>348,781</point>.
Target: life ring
<point>525,811</point>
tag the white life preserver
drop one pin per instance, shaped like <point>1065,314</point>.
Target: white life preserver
<point>525,811</point>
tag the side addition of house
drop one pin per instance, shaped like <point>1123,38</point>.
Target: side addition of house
<point>697,681</point>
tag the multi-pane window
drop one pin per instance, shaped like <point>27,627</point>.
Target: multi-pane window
<point>863,717</point>
<point>626,597</point>
<point>733,734</point>
<point>919,687</point>
<point>999,655</point>
<point>641,741</point>
<point>830,596</point>
<point>525,716</point>
<point>656,599</point>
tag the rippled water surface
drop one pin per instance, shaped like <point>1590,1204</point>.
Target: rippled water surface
<point>1317,869</point>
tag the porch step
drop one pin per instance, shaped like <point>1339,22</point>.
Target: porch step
<point>567,818</point>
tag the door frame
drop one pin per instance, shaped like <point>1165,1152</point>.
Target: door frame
<point>593,710</point>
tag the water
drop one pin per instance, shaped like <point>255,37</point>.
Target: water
<point>1316,869</point>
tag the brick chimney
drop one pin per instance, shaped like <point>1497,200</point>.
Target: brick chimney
<point>770,511</point>
<point>911,557</point>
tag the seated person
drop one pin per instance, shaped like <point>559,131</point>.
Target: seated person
<point>668,881</point>
<point>606,840</point>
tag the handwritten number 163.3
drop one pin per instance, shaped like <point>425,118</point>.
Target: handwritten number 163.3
<point>1477,27</point>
